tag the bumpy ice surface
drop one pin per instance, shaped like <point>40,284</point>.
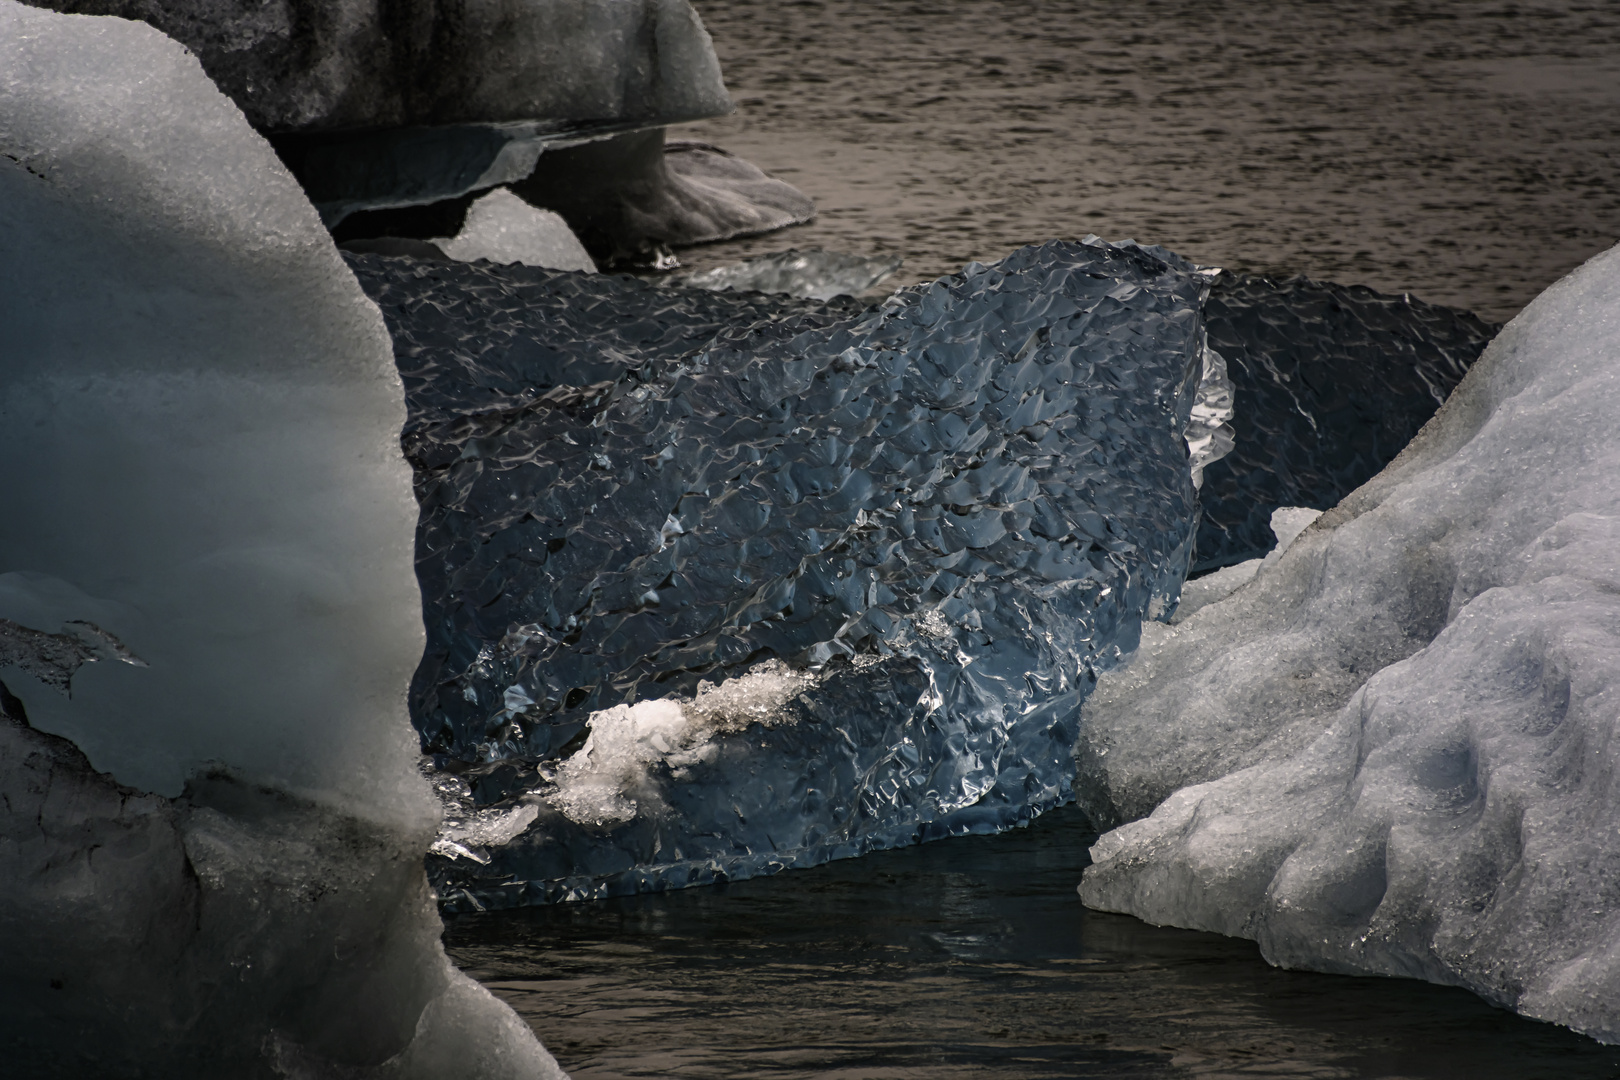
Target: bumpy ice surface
<point>814,274</point>
<point>1331,381</point>
<point>208,548</point>
<point>948,509</point>
<point>1394,750</point>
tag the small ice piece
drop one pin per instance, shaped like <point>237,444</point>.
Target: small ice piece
<point>1209,432</point>
<point>503,228</point>
<point>1392,752</point>
<point>817,274</point>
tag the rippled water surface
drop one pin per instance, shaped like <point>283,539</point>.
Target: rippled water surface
<point>968,957</point>
<point>1465,151</point>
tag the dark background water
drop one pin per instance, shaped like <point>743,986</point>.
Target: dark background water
<point>969,957</point>
<point>1465,152</point>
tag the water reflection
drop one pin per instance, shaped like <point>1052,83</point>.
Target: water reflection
<point>966,957</point>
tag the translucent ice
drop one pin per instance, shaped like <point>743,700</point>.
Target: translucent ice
<point>205,585</point>
<point>1330,382</point>
<point>1393,751</point>
<point>946,509</point>
<point>503,228</point>
<point>816,274</point>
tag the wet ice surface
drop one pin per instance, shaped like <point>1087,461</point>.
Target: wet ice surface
<point>816,274</point>
<point>951,507</point>
<point>1457,150</point>
<point>969,957</point>
<point>1330,382</point>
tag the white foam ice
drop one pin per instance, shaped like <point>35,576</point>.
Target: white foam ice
<point>200,417</point>
<point>503,228</point>
<point>605,781</point>
<point>1394,751</point>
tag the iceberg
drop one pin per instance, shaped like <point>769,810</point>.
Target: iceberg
<point>213,825</point>
<point>639,502</point>
<point>357,65</point>
<point>1392,751</point>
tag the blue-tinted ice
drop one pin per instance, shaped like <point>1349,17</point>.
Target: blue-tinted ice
<point>935,517</point>
<point>718,583</point>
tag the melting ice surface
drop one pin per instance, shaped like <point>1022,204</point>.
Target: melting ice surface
<point>814,274</point>
<point>935,519</point>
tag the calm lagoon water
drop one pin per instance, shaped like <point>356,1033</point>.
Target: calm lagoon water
<point>1466,152</point>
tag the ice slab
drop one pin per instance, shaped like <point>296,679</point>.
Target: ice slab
<point>947,509</point>
<point>1392,752</point>
<point>205,585</point>
<point>1331,382</point>
<point>815,274</point>
<point>504,229</point>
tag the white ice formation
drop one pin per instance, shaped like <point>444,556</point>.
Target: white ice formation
<point>503,228</point>
<point>1395,750</point>
<point>206,587</point>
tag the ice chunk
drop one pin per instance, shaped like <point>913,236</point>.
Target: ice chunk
<point>503,228</point>
<point>949,508</point>
<point>1390,753</point>
<point>206,584</point>
<point>1330,382</point>
<point>817,274</point>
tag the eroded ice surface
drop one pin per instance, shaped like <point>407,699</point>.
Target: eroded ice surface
<point>503,228</point>
<point>205,585</point>
<point>949,508</point>
<point>320,65</point>
<point>1394,750</point>
<point>815,274</point>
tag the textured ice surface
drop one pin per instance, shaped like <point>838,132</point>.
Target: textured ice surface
<point>1332,381</point>
<point>503,228</point>
<point>948,508</point>
<point>320,65</point>
<point>1400,736</point>
<point>816,274</point>
<point>205,584</point>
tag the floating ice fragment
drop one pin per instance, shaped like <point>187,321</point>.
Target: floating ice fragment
<point>503,228</point>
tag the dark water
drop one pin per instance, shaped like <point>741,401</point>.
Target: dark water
<point>1465,151</point>
<point>969,957</point>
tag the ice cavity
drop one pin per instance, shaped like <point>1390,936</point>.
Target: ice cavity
<point>503,228</point>
<point>816,274</point>
<point>1393,751</point>
<point>206,585</point>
